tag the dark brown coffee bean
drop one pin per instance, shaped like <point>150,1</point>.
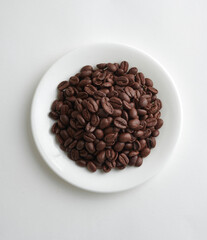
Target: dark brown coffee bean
<point>60,125</point>
<point>104,123</point>
<point>107,105</point>
<point>143,102</point>
<point>108,130</point>
<point>64,134</point>
<point>91,166</point>
<point>74,154</point>
<point>73,144</point>
<point>89,127</point>
<point>100,146</point>
<point>86,115</point>
<point>110,154</point>
<point>148,82</point>
<point>133,70</point>
<point>130,91</point>
<point>63,85</point>
<point>139,162</point>
<point>116,102</point>
<point>80,145</point>
<point>101,157</point>
<point>124,96</point>
<point>124,66</point>
<point>125,115</point>
<point>101,65</point>
<point>151,142</point>
<point>139,133</point>
<point>134,124</point>
<point>141,112</point>
<point>132,161</point>
<point>125,137</point>
<point>86,73</point>
<point>95,120</point>
<point>151,122</point>
<point>153,90</point>
<point>87,68</point>
<point>89,137</point>
<point>90,147</point>
<point>99,133</point>
<point>120,122</point>
<point>133,113</point>
<point>142,143</point>
<point>123,159</point>
<point>128,146</point>
<point>54,127</point>
<point>74,80</point>
<point>92,105</point>
<point>122,81</point>
<point>53,115</point>
<point>126,105</point>
<point>59,138</point>
<point>118,147</point>
<point>159,124</point>
<point>111,137</point>
<point>137,145</point>
<point>155,133</point>
<point>145,152</point>
<point>111,67</point>
<point>90,89</point>
<point>117,113</point>
<point>80,119</point>
<point>81,163</point>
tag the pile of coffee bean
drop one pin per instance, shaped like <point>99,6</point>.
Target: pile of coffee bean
<point>107,117</point>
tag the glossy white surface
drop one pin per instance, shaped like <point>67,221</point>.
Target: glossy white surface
<point>68,66</point>
<point>34,202</point>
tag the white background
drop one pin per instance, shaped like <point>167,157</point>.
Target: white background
<point>34,202</point>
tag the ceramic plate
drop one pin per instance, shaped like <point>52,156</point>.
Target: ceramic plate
<point>115,180</point>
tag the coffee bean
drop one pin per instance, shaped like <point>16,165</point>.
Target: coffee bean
<point>63,85</point>
<point>155,133</point>
<point>99,133</point>
<point>89,127</point>
<point>110,154</point>
<point>130,91</point>
<point>91,166</point>
<point>116,102</point>
<point>145,152</point>
<point>95,120</point>
<point>151,142</point>
<point>143,102</point>
<point>89,137</point>
<point>92,105</point>
<point>81,163</point>
<point>139,162</point>
<point>101,157</point>
<point>107,105</point>
<point>125,137</point>
<point>90,147</point>
<point>74,80</point>
<point>134,123</point>
<point>90,89</point>
<point>133,113</point>
<point>100,146</point>
<point>124,66</point>
<point>111,67</point>
<point>120,122</point>
<point>101,65</point>
<point>104,123</point>
<point>86,68</point>
<point>148,82</point>
<point>80,145</point>
<point>123,159</point>
<point>133,71</point>
<point>159,124</point>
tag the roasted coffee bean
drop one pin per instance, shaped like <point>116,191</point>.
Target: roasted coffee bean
<point>125,137</point>
<point>90,147</point>
<point>145,152</point>
<point>120,122</point>
<point>91,166</point>
<point>101,157</point>
<point>116,102</point>
<point>63,85</point>
<point>89,137</point>
<point>99,133</point>
<point>100,146</point>
<point>139,162</point>
<point>155,133</point>
<point>124,66</point>
<point>108,117</point>
<point>134,124</point>
<point>159,124</point>
<point>118,147</point>
<point>86,68</point>
<point>151,142</point>
<point>74,80</point>
<point>107,105</point>
<point>81,163</point>
<point>133,71</point>
<point>130,91</point>
<point>101,65</point>
<point>111,67</point>
<point>123,159</point>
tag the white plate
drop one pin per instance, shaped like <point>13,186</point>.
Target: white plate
<point>115,180</point>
